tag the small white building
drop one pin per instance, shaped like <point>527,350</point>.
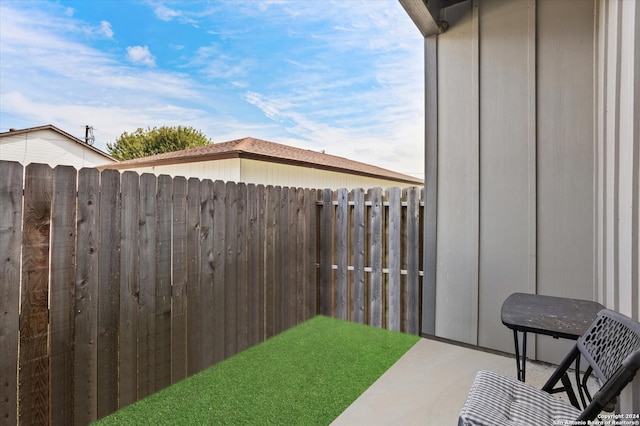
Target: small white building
<point>49,145</point>
<point>256,161</point>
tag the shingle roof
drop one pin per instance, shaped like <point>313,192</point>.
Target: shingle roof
<point>14,132</point>
<point>257,149</point>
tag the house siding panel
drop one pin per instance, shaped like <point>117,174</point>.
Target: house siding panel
<point>48,147</point>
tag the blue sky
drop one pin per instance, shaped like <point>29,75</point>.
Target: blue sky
<point>341,76</point>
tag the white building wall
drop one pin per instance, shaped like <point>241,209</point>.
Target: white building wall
<point>48,147</point>
<point>225,170</point>
<point>265,173</point>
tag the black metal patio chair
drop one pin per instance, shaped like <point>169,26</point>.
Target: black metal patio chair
<point>611,347</point>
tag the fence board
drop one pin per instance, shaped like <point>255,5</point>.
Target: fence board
<point>312,241</point>
<point>326,250</point>
<point>10,241</point>
<point>163,282</point>
<point>62,297</point>
<point>301,263</point>
<point>413,250</point>
<point>129,289</point>
<point>208,264</point>
<point>270,259</point>
<point>179,279</point>
<point>375,223</point>
<point>194,294</point>
<point>109,291</point>
<point>230,260</point>
<point>241,270</point>
<point>86,303</point>
<point>34,363</point>
<point>358,289</point>
<point>394,235</point>
<point>341,257</point>
<point>255,256</point>
<point>282,240</point>
<point>147,296</point>
<point>289,254</point>
<point>219,270</point>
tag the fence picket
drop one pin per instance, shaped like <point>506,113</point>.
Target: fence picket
<point>375,223</point>
<point>129,288</point>
<point>147,296</point>
<point>326,250</point>
<point>241,270</point>
<point>194,294</point>
<point>288,270</point>
<point>10,241</point>
<point>270,260</point>
<point>109,291</point>
<point>229,258</point>
<point>341,244</point>
<point>208,261</point>
<point>86,303</point>
<point>358,289</point>
<point>301,263</point>
<point>311,253</point>
<point>394,236</point>
<point>179,281</point>
<point>34,366</point>
<point>164,209</point>
<point>62,289</point>
<point>218,259</point>
<point>413,250</point>
<point>253,265</point>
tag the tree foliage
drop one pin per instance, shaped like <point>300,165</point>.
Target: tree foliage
<point>143,143</point>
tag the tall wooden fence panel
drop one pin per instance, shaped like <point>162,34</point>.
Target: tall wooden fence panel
<point>113,286</point>
<point>370,256</point>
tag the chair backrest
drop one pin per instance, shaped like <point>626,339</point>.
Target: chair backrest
<point>610,339</point>
<point>611,346</point>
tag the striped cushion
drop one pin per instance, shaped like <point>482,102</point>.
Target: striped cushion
<point>497,400</point>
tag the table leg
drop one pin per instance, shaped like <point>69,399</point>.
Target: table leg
<point>521,363</point>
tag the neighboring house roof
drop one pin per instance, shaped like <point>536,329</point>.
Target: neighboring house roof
<point>257,149</point>
<point>14,132</point>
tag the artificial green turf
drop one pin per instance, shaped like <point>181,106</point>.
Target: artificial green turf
<point>307,375</point>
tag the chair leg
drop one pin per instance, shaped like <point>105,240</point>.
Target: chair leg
<point>560,374</point>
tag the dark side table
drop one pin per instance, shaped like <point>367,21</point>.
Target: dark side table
<point>558,317</point>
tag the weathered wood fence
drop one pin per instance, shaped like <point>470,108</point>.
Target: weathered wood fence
<point>113,286</point>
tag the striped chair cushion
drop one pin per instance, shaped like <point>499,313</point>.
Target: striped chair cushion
<point>496,400</point>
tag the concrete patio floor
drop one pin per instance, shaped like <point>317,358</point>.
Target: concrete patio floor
<point>429,385</point>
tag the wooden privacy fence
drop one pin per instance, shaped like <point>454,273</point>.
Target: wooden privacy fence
<point>113,286</point>
<point>371,256</point>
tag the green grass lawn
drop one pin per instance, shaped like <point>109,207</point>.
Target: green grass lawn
<point>307,375</point>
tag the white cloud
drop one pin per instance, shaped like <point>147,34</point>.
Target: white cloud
<point>140,55</point>
<point>105,29</point>
<point>165,13</point>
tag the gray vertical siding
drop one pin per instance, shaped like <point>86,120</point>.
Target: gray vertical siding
<point>515,156</point>
<point>507,162</point>
<point>458,177</point>
<point>566,176</point>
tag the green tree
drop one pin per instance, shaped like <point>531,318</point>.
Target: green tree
<point>143,143</point>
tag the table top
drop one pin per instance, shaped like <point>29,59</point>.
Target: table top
<point>553,316</point>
